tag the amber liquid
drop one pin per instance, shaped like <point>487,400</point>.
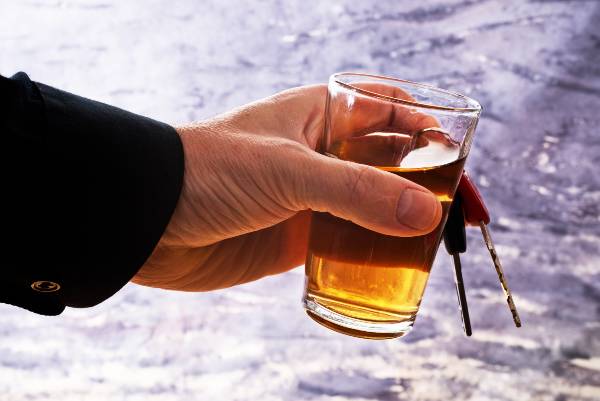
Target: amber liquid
<point>367,276</point>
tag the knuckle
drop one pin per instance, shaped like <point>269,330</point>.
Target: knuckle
<point>360,182</point>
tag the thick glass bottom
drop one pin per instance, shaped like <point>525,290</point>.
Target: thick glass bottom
<point>376,330</point>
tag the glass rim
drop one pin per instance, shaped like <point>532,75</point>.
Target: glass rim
<point>470,101</point>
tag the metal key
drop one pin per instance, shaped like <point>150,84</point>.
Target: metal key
<point>455,241</point>
<point>477,214</point>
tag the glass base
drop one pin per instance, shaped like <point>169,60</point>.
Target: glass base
<point>356,327</point>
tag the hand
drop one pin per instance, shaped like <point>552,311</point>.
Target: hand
<point>250,177</point>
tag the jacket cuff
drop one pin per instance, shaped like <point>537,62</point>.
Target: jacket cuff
<point>128,170</point>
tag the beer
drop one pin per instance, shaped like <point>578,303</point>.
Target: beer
<point>370,277</point>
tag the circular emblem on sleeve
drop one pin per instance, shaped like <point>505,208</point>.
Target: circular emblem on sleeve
<point>45,286</point>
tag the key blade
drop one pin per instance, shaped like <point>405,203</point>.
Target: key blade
<point>462,296</point>
<point>509,299</point>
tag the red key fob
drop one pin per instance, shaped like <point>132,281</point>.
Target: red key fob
<point>473,205</point>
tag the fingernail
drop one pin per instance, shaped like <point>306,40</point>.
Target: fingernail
<point>418,210</point>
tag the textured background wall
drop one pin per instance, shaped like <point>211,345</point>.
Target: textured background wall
<point>535,67</point>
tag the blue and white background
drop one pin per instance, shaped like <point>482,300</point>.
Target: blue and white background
<point>535,67</point>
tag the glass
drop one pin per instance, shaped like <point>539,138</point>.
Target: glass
<point>360,282</point>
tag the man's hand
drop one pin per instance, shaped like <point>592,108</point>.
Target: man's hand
<point>250,177</point>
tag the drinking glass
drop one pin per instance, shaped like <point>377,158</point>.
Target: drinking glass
<point>360,282</point>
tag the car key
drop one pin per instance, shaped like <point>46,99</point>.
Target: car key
<point>455,241</point>
<point>476,214</point>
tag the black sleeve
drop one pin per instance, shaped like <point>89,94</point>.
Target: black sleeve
<point>87,191</point>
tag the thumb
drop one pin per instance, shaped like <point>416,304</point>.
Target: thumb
<point>372,198</point>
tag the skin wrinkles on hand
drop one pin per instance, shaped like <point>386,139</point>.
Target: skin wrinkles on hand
<point>251,176</point>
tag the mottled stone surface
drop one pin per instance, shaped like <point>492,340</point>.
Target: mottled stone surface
<point>534,65</point>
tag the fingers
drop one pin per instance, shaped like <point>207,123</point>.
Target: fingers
<point>298,113</point>
<point>381,149</point>
<point>371,198</point>
<point>354,114</point>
